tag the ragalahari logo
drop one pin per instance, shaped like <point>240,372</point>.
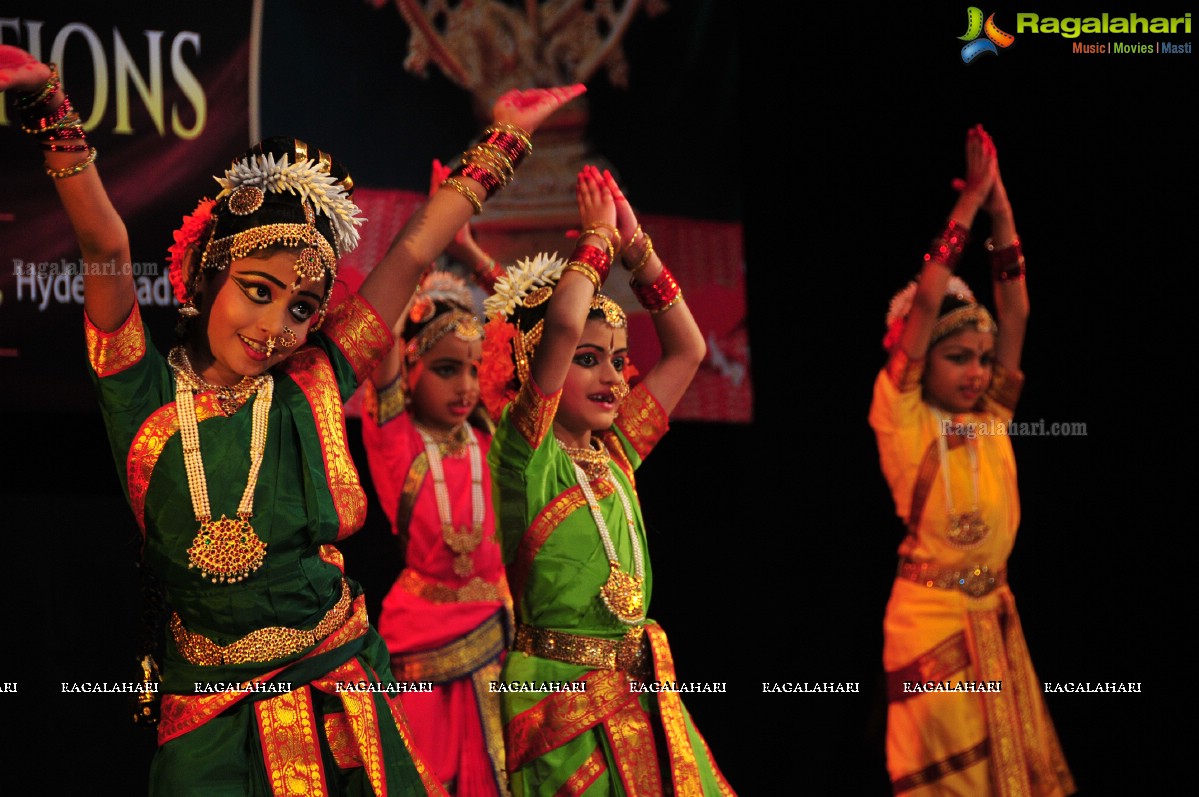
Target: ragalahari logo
<point>995,38</point>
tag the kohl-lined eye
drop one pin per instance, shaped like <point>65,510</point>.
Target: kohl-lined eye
<point>302,311</point>
<point>257,292</point>
<point>586,359</point>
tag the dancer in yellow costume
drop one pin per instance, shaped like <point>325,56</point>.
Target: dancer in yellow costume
<point>965,711</point>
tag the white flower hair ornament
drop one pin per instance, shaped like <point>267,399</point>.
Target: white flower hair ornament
<point>901,305</point>
<point>527,282</point>
<point>308,178</point>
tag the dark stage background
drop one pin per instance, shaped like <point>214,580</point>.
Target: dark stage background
<point>834,140</point>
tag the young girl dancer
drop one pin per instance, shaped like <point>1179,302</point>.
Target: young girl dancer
<point>571,435</point>
<point>447,618</point>
<point>965,713</point>
<point>233,447</point>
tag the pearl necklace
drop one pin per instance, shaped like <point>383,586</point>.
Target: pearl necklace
<point>228,550</point>
<point>461,542</point>
<point>966,529</point>
<point>622,594</point>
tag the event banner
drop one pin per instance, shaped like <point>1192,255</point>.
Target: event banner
<point>165,93</point>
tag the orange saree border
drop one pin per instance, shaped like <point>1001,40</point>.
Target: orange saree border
<point>148,444</point>
<point>561,716</point>
<point>310,369</point>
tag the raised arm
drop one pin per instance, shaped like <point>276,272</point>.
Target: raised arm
<point>981,171</point>
<point>682,343</point>
<point>430,229</point>
<point>46,115</point>
<point>566,314</point>
<point>1007,272</point>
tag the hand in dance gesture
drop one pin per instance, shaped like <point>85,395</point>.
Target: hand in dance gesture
<point>997,203</point>
<point>20,71</point>
<point>528,108</point>
<point>982,167</point>
<point>626,219</point>
<point>597,203</point>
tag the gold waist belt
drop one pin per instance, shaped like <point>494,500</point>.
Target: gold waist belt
<point>435,592</point>
<point>263,644</point>
<point>629,653</point>
<point>974,581</point>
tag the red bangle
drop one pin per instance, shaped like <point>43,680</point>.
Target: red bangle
<point>948,245</point>
<point>511,140</point>
<point>660,295</point>
<point>593,256</point>
<point>1007,263</point>
<point>489,180</point>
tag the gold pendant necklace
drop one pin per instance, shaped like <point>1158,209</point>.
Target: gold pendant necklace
<point>623,594</point>
<point>227,550</point>
<point>965,529</point>
<point>462,541</point>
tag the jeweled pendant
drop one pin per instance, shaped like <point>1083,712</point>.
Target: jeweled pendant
<point>967,529</point>
<point>464,565</point>
<point>622,594</point>
<point>227,550</point>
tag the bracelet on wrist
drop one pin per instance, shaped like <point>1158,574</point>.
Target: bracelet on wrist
<point>71,171</point>
<point>587,271</point>
<point>32,99</point>
<point>594,257</point>
<point>947,246</point>
<point>1007,262</point>
<point>660,295</point>
<point>470,195</point>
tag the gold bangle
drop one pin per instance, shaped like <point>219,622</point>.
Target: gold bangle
<point>660,310</point>
<point>615,232</point>
<point>45,93</point>
<point>71,171</point>
<point>602,236</point>
<point>466,192</point>
<point>511,129</point>
<point>632,240</point>
<point>649,248</point>
<point>586,270</point>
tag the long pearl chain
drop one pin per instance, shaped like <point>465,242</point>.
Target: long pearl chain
<point>225,550</point>
<point>617,581</point>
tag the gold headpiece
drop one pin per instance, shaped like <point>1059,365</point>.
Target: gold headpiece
<point>971,313</point>
<point>245,186</point>
<point>465,326</point>
<point>967,315</point>
<point>613,314</point>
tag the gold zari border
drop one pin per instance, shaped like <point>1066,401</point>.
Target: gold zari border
<point>360,334</point>
<point>642,420</point>
<point>311,370</point>
<point>112,352</point>
<point>454,660</point>
<point>260,645</point>
<point>290,747</point>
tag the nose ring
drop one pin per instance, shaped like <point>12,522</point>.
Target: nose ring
<point>620,390</point>
<point>287,339</point>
